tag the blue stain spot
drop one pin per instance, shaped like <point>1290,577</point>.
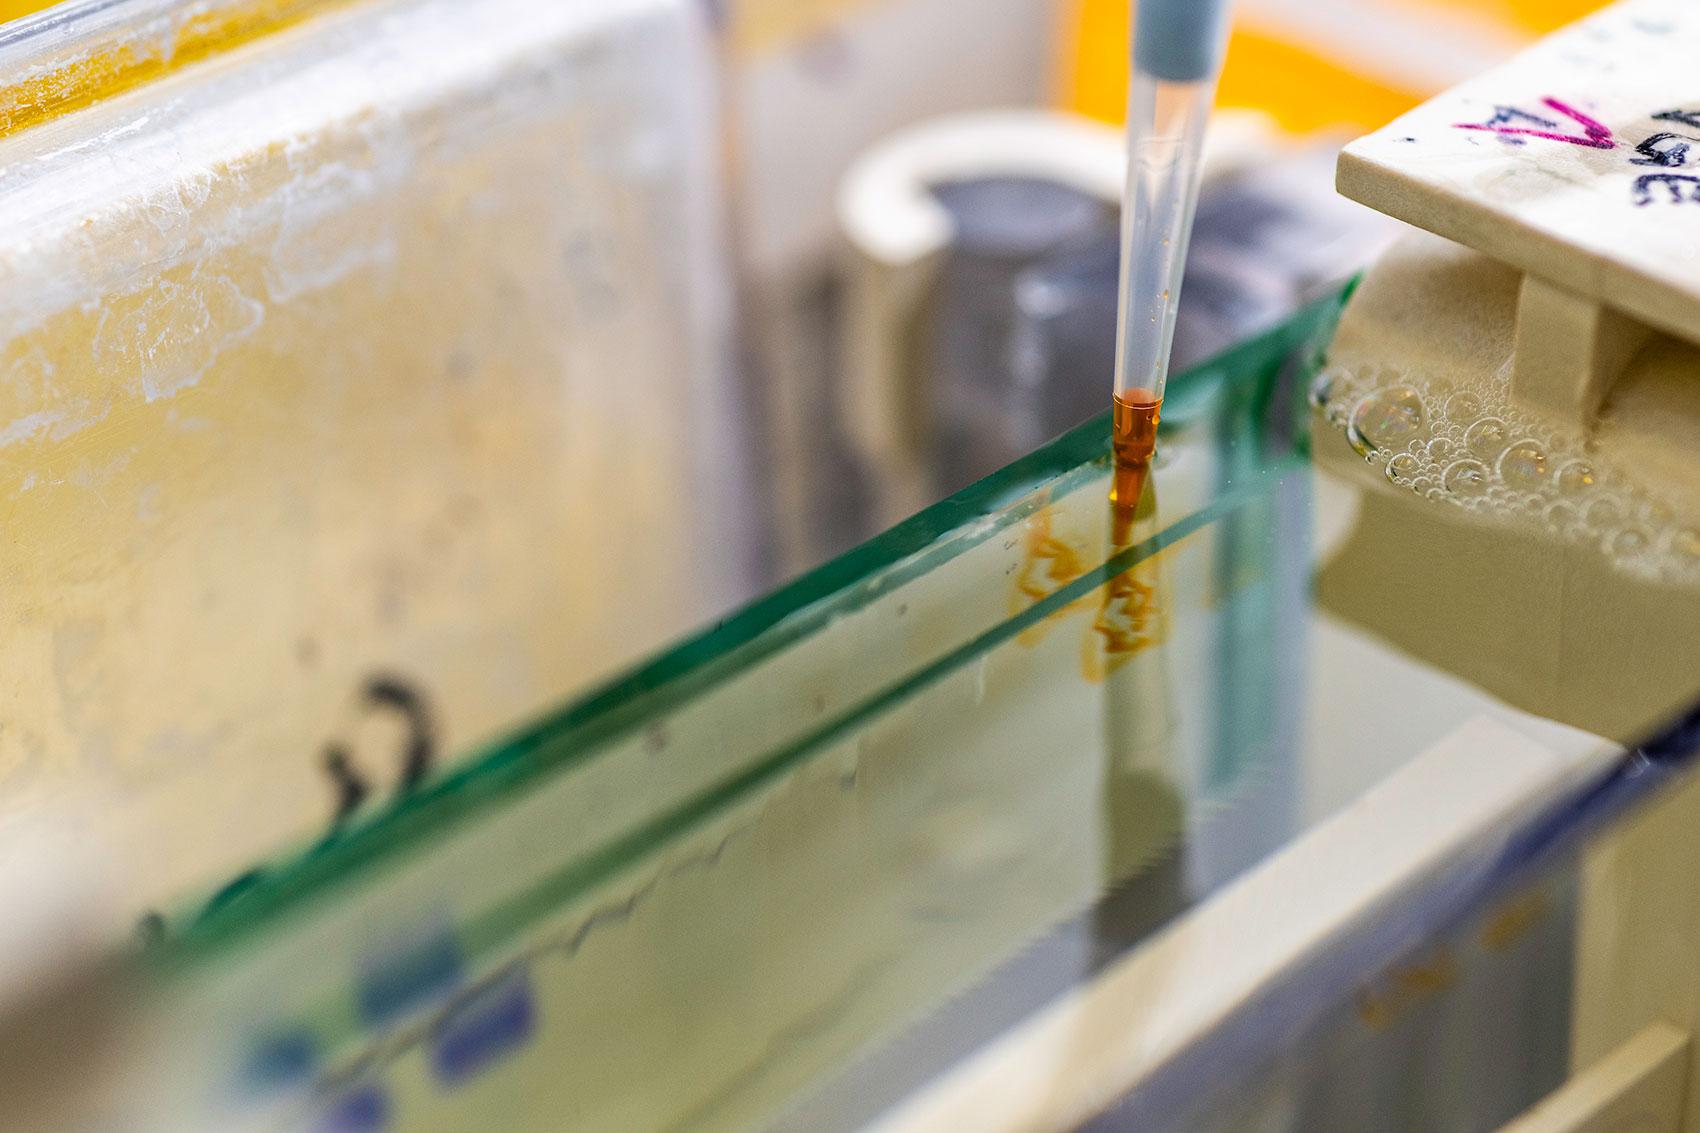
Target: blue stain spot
<point>489,1027</point>
<point>408,974</point>
<point>280,1061</point>
<point>364,1111</point>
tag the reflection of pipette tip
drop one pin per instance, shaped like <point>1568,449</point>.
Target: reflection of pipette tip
<point>1126,490</point>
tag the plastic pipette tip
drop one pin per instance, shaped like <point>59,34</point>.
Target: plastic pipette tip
<point>1135,442</point>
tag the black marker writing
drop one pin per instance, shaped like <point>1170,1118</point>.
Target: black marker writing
<point>1677,183</point>
<point>419,749</point>
<point>1686,117</point>
<point>1667,150</point>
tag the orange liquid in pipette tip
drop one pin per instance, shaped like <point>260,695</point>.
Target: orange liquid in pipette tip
<point>1134,440</point>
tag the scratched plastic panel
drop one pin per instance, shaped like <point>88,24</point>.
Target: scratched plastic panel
<point>349,354</point>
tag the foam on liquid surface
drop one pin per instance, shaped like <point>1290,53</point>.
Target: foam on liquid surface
<point>1466,444</point>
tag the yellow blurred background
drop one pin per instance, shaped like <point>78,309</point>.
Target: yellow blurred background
<point>1311,64</point>
<point>1315,64</point>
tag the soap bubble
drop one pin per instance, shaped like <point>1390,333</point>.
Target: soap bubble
<point>1388,418</point>
<point>1630,542</point>
<point>1524,466</point>
<point>1576,477</point>
<point>1487,438</point>
<point>1467,478</point>
<point>1603,513</point>
<point>1563,516</point>
<point>1403,468</point>
<point>1440,448</point>
<point>1463,407</point>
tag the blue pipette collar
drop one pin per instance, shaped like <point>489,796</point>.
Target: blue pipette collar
<point>1180,41</point>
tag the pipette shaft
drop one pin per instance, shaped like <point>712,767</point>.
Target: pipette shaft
<point>1177,54</point>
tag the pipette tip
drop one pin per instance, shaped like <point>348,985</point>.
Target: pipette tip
<point>1135,442</point>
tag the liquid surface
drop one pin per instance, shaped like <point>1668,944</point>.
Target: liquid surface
<point>810,861</point>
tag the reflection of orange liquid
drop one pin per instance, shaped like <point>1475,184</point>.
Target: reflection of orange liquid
<point>1406,987</point>
<point>1134,439</point>
<point>1049,564</point>
<point>1131,619</point>
<point>1128,624</point>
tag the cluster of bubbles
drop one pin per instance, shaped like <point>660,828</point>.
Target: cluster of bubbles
<point>1470,447</point>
